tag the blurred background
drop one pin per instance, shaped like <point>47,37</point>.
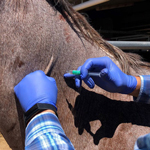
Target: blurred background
<point>119,20</point>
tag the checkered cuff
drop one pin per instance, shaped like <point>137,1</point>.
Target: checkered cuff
<point>144,95</point>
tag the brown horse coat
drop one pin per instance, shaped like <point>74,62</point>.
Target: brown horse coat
<point>34,32</point>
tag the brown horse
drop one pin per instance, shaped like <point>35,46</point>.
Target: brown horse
<point>40,34</point>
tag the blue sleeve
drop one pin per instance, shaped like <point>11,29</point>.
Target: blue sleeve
<point>45,132</point>
<point>144,95</point>
<point>142,142</point>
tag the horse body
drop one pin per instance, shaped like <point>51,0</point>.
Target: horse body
<point>92,119</point>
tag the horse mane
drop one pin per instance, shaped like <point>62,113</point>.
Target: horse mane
<point>84,29</point>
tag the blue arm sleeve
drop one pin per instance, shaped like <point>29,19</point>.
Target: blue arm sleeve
<point>144,95</point>
<point>45,132</point>
<point>142,142</point>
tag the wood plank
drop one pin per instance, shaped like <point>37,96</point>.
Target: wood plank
<point>3,144</point>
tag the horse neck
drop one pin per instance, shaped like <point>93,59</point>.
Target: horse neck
<point>74,50</point>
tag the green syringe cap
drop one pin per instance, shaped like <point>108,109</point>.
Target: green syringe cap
<point>76,72</point>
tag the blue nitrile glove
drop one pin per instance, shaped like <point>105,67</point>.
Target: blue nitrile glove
<point>143,143</point>
<point>35,88</point>
<point>111,79</point>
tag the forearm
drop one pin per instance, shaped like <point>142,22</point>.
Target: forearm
<point>51,111</point>
<point>136,92</point>
<point>45,128</point>
<point>142,91</point>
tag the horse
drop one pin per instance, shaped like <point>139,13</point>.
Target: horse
<point>49,35</point>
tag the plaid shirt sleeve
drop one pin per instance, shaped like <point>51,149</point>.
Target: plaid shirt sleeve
<point>144,95</point>
<point>44,132</point>
<point>142,142</point>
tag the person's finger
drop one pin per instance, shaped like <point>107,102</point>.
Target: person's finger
<point>78,81</point>
<point>89,82</point>
<point>93,63</point>
<point>68,75</point>
<point>104,74</point>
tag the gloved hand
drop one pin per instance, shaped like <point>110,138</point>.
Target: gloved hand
<point>143,143</point>
<point>35,88</point>
<point>111,79</point>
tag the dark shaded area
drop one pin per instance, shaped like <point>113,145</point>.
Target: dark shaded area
<point>125,23</point>
<point>21,120</point>
<point>143,53</point>
<point>122,21</point>
<point>90,106</point>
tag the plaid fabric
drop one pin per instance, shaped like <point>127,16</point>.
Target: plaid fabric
<point>44,132</point>
<point>144,95</point>
<point>142,142</point>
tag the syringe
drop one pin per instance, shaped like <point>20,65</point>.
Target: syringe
<point>77,72</point>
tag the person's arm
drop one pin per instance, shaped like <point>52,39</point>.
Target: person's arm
<point>142,142</point>
<point>112,79</point>
<point>43,130</point>
<point>136,92</point>
<point>142,91</point>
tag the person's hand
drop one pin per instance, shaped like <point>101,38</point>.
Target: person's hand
<point>111,78</point>
<point>35,88</point>
<point>143,143</point>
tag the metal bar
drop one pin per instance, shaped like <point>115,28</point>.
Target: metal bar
<point>131,44</point>
<point>89,3</point>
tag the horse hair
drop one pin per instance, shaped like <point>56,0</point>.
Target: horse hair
<point>126,60</point>
<point>85,30</point>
